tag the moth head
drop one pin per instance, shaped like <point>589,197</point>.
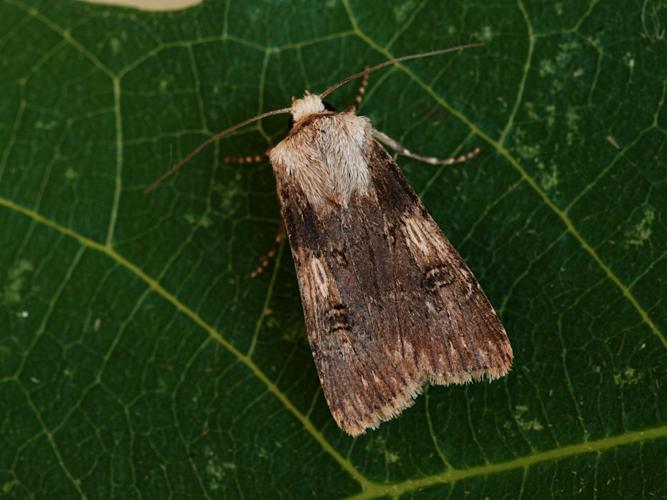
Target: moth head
<point>309,104</point>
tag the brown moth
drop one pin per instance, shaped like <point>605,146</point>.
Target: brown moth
<point>389,304</point>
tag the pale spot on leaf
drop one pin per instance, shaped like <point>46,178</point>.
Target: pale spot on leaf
<point>629,376</point>
<point>485,34</point>
<point>520,414</point>
<point>403,10</point>
<point>46,124</point>
<point>16,277</point>
<point>71,174</point>
<point>641,232</point>
<point>549,178</point>
<point>379,446</point>
<point>115,45</point>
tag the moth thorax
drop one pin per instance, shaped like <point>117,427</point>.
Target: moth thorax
<point>307,105</point>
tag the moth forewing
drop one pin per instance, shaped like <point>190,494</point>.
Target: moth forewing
<point>389,305</point>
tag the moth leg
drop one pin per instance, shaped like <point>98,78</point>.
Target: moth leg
<point>247,159</point>
<point>403,151</point>
<point>271,254</point>
<point>361,93</point>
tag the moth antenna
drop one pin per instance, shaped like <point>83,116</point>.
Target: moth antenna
<point>328,91</point>
<point>210,140</point>
<point>355,76</point>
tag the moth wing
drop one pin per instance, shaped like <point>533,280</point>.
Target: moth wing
<point>389,304</point>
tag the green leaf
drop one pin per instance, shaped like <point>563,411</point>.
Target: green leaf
<point>137,357</point>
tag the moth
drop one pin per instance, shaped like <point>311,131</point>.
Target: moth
<point>389,304</point>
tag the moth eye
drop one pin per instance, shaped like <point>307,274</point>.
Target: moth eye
<point>290,123</point>
<point>328,106</point>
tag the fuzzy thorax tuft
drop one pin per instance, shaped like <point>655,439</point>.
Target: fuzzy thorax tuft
<point>308,105</point>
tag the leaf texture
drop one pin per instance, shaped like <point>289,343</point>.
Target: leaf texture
<point>137,357</point>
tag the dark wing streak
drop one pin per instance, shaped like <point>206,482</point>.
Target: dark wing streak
<point>395,304</point>
<point>357,273</point>
<point>342,366</point>
<point>375,346</point>
<point>337,227</point>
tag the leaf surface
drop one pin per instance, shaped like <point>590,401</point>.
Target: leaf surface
<point>137,357</point>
